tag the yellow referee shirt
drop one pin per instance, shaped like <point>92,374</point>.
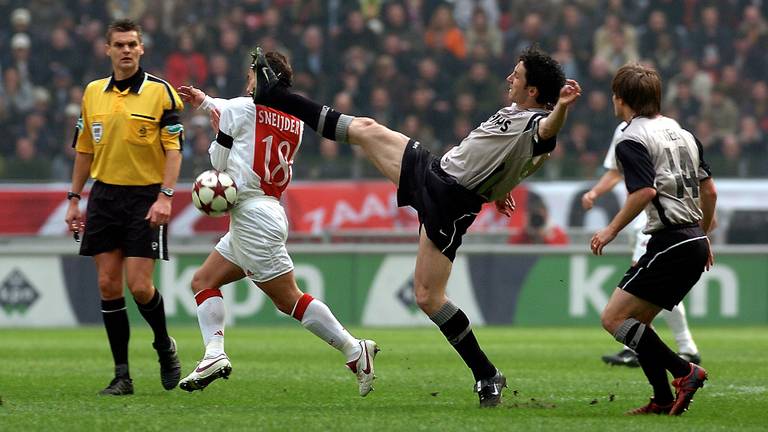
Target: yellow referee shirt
<point>129,131</point>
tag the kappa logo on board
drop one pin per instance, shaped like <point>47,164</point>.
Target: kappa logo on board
<point>17,293</point>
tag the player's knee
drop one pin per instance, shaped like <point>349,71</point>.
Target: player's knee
<point>110,286</point>
<point>142,291</point>
<point>609,321</point>
<point>426,301</point>
<point>200,282</point>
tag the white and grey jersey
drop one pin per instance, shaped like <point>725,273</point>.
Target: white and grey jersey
<point>658,153</point>
<point>610,156</point>
<point>499,154</point>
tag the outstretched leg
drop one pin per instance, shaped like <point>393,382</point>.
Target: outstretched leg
<point>430,280</point>
<point>383,146</point>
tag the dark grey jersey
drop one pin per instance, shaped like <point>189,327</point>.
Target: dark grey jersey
<point>658,153</point>
<point>497,155</point>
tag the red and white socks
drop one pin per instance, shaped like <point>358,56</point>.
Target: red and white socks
<point>210,316</point>
<point>316,317</point>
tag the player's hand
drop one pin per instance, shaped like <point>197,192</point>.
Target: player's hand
<point>506,205</point>
<point>710,256</point>
<point>215,117</point>
<point>191,95</point>
<point>600,239</point>
<point>570,92</point>
<point>160,212</point>
<point>74,217</point>
<point>588,200</point>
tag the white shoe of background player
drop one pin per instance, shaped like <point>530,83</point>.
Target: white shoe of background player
<point>363,366</point>
<point>208,370</point>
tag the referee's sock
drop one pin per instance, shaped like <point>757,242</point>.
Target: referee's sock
<point>326,121</point>
<point>118,332</point>
<point>654,355</point>
<point>454,324</point>
<point>154,313</point>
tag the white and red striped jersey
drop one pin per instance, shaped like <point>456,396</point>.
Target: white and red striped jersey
<point>255,145</point>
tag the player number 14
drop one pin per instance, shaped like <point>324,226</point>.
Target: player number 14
<point>685,174</point>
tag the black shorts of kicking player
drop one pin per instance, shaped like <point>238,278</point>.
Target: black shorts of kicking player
<point>672,264</point>
<point>115,220</point>
<point>446,209</point>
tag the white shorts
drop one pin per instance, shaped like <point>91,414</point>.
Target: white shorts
<point>641,240</point>
<point>258,230</point>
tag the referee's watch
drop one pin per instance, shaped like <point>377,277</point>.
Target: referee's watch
<point>167,192</point>
<point>71,195</point>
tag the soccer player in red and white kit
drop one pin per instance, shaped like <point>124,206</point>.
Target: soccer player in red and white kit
<point>256,146</point>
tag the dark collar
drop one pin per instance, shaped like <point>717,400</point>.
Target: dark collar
<point>134,82</point>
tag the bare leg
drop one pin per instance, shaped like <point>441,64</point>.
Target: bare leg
<point>430,280</point>
<point>383,146</point>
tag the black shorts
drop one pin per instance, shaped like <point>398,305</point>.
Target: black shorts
<point>115,220</point>
<point>446,209</point>
<point>672,264</point>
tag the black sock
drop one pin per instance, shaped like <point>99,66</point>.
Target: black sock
<point>118,332</point>
<point>154,313</point>
<point>324,120</point>
<point>657,377</point>
<point>654,355</point>
<point>456,327</point>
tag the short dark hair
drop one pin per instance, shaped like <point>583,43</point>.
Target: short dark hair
<point>121,26</point>
<point>544,73</point>
<point>280,65</point>
<point>639,87</point>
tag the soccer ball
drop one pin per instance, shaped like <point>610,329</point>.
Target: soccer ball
<point>214,193</point>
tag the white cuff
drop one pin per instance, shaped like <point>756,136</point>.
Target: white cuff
<point>207,104</point>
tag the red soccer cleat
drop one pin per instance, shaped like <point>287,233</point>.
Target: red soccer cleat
<point>685,388</point>
<point>651,408</point>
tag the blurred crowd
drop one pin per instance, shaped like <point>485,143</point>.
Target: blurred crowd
<point>431,69</point>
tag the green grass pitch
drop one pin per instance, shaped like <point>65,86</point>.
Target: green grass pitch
<point>284,378</point>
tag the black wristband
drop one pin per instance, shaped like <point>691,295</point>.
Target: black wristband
<point>71,195</point>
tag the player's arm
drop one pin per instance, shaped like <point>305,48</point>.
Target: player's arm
<point>708,192</point>
<point>639,174</point>
<point>708,201</point>
<point>225,138</point>
<point>551,125</point>
<point>608,181</point>
<point>199,100</point>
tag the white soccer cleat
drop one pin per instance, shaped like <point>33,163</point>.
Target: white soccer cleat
<point>208,370</point>
<point>363,366</point>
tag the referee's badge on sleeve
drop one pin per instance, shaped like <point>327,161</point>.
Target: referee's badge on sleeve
<point>96,131</point>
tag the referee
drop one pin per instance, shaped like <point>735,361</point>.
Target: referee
<point>129,139</point>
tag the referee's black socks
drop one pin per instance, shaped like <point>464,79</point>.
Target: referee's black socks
<point>454,324</point>
<point>118,332</point>
<point>326,121</point>
<point>154,313</point>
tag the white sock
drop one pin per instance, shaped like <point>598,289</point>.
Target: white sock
<point>316,317</point>
<point>679,325</point>
<point>210,316</point>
